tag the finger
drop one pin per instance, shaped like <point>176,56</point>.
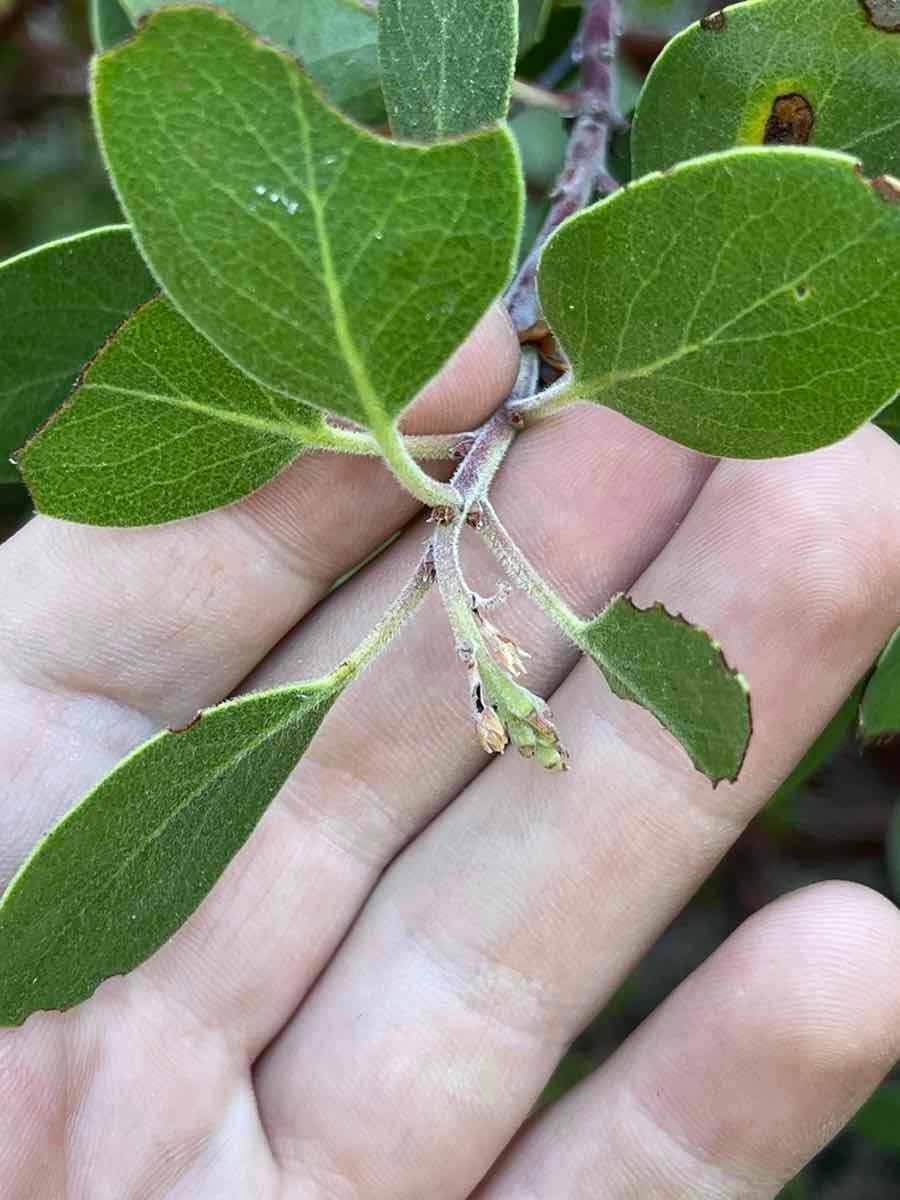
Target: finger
<point>745,1072</point>
<point>401,744</point>
<point>496,936</point>
<point>107,634</point>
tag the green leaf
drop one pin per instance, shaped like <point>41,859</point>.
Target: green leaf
<point>446,66</point>
<point>746,304</point>
<point>533,18</point>
<point>58,304</point>
<point>161,426</point>
<point>879,1120</point>
<point>331,265</point>
<point>123,871</point>
<point>109,23</point>
<point>729,82</point>
<point>680,675</point>
<point>336,40</point>
<point>890,420</point>
<point>879,715</point>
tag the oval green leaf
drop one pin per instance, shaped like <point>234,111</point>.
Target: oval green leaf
<point>58,304</point>
<point>447,67</point>
<point>679,674</point>
<point>746,304</point>
<point>879,715</point>
<point>336,40</point>
<point>162,426</point>
<point>775,71</point>
<point>126,868</point>
<point>329,264</point>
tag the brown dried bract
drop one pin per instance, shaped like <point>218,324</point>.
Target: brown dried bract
<point>714,23</point>
<point>883,14</point>
<point>887,187</point>
<point>791,121</point>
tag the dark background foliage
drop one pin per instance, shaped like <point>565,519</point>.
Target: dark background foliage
<point>838,818</point>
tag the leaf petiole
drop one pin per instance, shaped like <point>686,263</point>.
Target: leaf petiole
<point>551,400</point>
<point>439,447</point>
<point>396,453</point>
<point>406,604</point>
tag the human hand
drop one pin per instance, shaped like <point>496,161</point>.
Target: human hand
<point>373,997</point>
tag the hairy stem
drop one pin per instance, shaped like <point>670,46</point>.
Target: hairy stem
<point>428,491</point>
<point>586,170</point>
<point>527,576</point>
<point>438,447</point>
<point>390,624</point>
<point>473,480</point>
<point>557,396</point>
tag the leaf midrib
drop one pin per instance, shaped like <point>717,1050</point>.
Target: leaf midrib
<point>298,435</point>
<point>339,319</point>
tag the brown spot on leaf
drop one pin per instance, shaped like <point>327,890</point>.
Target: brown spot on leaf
<point>887,187</point>
<point>883,14</point>
<point>714,23</point>
<point>190,725</point>
<point>791,121</point>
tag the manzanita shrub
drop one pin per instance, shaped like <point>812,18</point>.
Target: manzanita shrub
<point>321,203</point>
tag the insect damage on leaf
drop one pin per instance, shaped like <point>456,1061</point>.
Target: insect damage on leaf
<point>791,121</point>
<point>707,93</point>
<point>883,14</point>
<point>714,23</point>
<point>672,668</point>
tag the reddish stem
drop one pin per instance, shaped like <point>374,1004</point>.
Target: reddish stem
<point>586,170</point>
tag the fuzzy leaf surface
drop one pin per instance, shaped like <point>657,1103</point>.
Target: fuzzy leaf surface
<point>879,715</point>
<point>678,673</point>
<point>747,304</point>
<point>726,83</point>
<point>58,304</point>
<point>161,426</point>
<point>329,264</point>
<point>336,40</point>
<point>446,65</point>
<point>109,24</point>
<point>125,868</point>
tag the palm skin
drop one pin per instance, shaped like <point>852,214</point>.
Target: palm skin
<point>370,1002</point>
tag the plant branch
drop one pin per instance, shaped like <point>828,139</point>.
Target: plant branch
<point>472,480</point>
<point>390,624</point>
<point>430,492</point>
<point>586,170</point>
